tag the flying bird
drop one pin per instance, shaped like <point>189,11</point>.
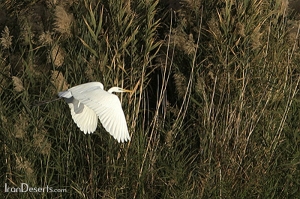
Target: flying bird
<point>90,101</point>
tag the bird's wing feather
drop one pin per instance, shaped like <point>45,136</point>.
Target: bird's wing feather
<point>107,107</point>
<point>85,118</point>
<point>86,88</point>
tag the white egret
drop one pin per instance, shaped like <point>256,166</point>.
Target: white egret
<point>89,101</point>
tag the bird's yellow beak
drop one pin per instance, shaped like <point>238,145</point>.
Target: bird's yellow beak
<point>125,90</point>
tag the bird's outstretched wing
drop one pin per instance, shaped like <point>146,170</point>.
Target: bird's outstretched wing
<point>85,118</point>
<point>105,105</point>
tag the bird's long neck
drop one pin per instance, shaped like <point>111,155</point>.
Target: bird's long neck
<point>113,89</point>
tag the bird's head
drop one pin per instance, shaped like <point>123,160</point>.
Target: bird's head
<point>118,90</point>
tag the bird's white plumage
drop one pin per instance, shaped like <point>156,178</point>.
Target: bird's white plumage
<point>89,101</point>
